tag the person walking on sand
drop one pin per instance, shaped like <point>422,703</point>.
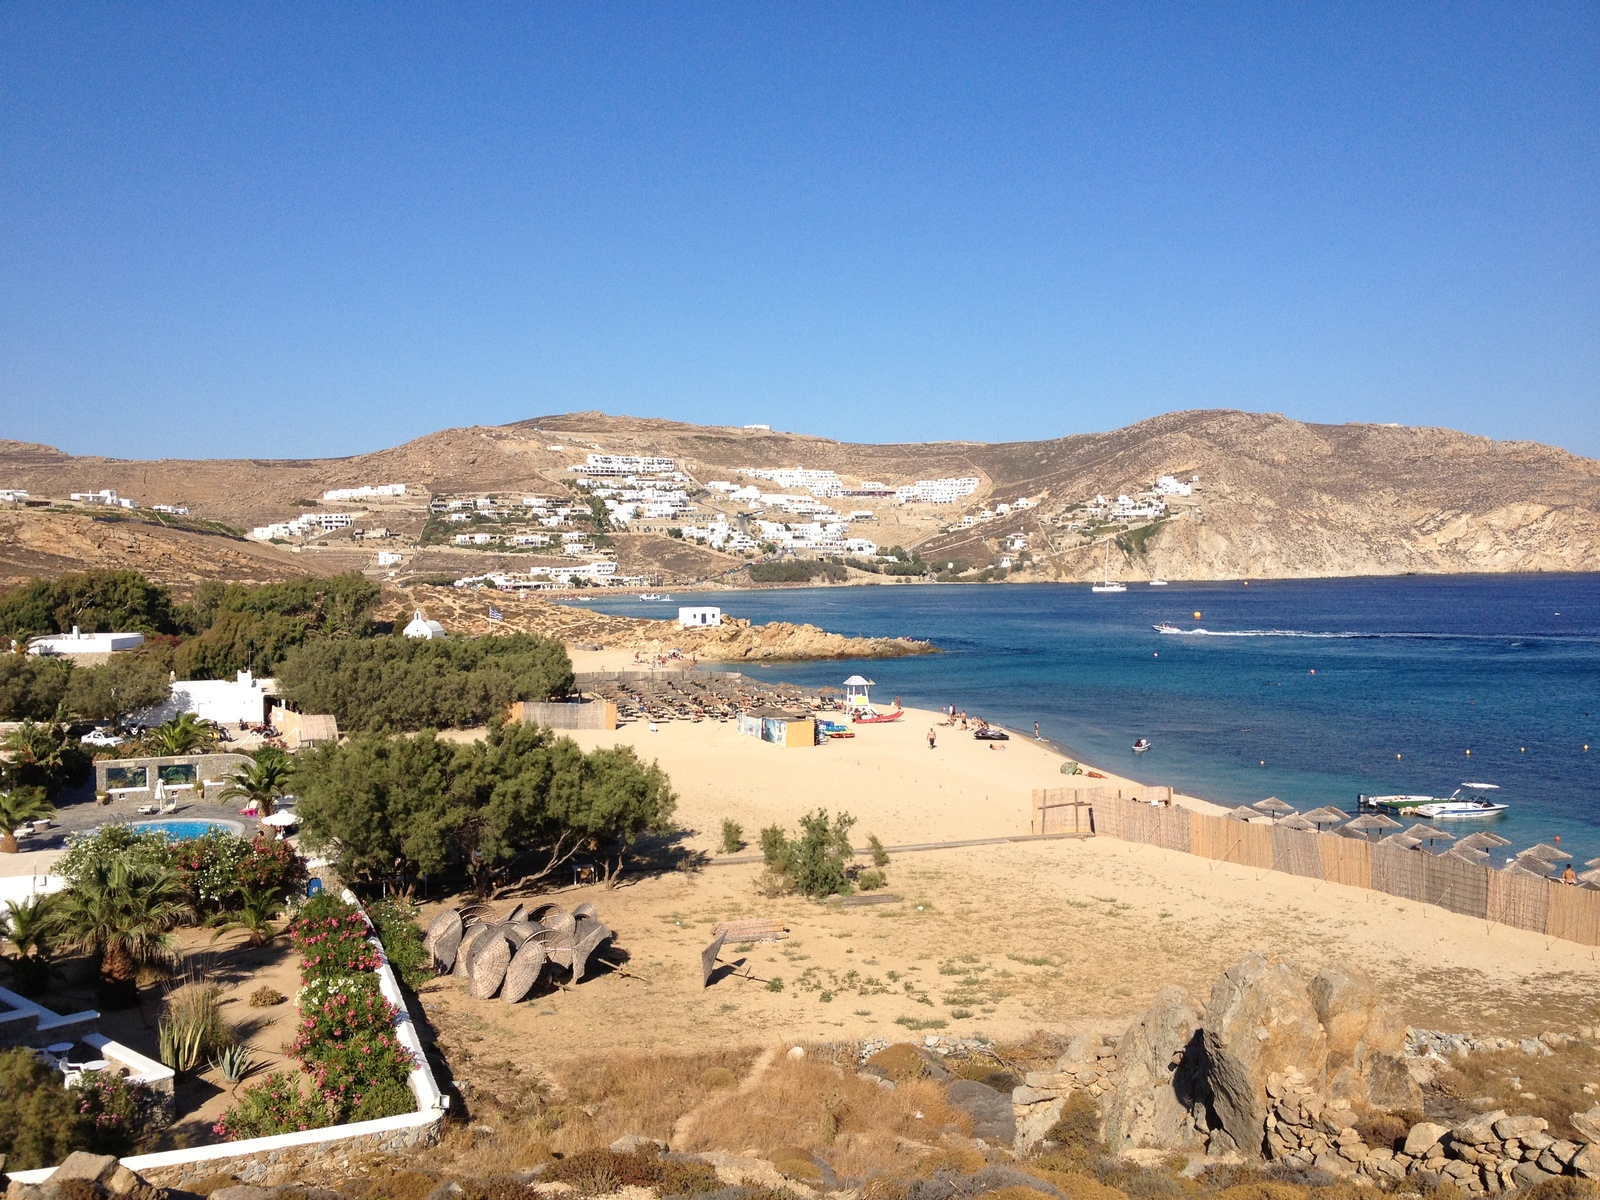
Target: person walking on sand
<point>932,736</point>
<point>1036,736</point>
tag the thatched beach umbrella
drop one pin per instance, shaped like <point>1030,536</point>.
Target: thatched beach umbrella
<point>1326,815</point>
<point>1242,813</point>
<point>1590,878</point>
<point>1593,862</point>
<point>444,939</point>
<point>1545,852</point>
<point>1478,858</point>
<point>1400,841</point>
<point>1427,833</point>
<point>1273,807</point>
<point>1370,823</point>
<point>1484,840</point>
<point>523,972</point>
<point>1296,821</point>
<point>488,970</point>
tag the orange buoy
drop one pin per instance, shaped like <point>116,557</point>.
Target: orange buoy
<point>1197,616</point>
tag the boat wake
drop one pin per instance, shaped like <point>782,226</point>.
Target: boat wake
<point>1513,639</point>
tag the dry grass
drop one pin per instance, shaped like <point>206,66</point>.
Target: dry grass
<point>1551,1087</point>
<point>609,1097</point>
<point>814,1106</point>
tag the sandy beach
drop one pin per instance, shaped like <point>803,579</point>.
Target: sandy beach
<point>999,940</point>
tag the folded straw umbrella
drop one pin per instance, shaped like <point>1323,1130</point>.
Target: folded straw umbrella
<point>1274,807</point>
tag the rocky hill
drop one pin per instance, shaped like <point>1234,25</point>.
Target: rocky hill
<point>1276,498</point>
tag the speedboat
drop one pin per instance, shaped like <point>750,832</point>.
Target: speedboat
<point>1141,745</point>
<point>1158,583</point>
<point>1465,805</point>
<point>653,596</point>
<point>1166,627</point>
<point>1403,806</point>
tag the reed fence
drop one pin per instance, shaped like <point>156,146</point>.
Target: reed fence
<point>1513,898</point>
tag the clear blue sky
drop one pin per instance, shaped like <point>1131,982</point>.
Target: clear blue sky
<point>323,228</point>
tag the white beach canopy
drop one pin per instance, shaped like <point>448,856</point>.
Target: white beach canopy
<point>282,818</point>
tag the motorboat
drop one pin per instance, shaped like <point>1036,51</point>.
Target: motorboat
<point>1166,627</point>
<point>1402,806</point>
<point>1158,583</point>
<point>653,596</point>
<point>1140,746</point>
<point>1463,802</point>
<point>1108,585</point>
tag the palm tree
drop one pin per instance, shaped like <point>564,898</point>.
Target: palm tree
<point>18,807</point>
<point>262,781</point>
<point>27,927</point>
<point>36,755</point>
<point>184,734</point>
<point>120,910</point>
<point>255,917</point>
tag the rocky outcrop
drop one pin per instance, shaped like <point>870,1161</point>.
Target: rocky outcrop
<point>1260,1022</point>
<point>737,640</point>
<point>1162,1078</point>
<point>1366,1042</point>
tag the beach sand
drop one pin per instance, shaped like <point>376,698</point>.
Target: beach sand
<point>1002,940</point>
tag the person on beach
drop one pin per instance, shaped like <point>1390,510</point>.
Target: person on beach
<point>932,736</point>
<point>1036,732</point>
<point>1569,875</point>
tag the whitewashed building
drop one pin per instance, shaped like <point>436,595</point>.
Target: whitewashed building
<point>693,617</point>
<point>84,643</point>
<point>421,627</point>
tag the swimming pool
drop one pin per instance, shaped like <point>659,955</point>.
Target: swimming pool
<point>187,831</point>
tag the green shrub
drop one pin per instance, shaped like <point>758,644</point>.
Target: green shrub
<point>880,856</point>
<point>42,1122</point>
<point>275,1105</point>
<point>598,1172</point>
<point>397,683</point>
<point>871,881</point>
<point>815,862</point>
<point>192,1029</point>
<point>402,941</point>
<point>732,836</point>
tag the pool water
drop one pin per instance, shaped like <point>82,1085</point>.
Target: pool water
<point>187,831</point>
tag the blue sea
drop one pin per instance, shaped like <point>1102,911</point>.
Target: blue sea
<point>1309,690</point>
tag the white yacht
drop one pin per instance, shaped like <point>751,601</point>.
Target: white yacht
<point>1108,586</point>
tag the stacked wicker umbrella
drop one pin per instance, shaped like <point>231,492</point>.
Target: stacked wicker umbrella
<point>506,955</point>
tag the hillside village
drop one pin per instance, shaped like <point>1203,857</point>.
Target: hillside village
<point>586,500</point>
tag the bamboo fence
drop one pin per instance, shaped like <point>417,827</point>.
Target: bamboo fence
<point>1511,898</point>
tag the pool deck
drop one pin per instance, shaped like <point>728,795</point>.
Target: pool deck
<point>76,812</point>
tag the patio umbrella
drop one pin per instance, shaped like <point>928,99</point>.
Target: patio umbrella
<point>1273,807</point>
<point>1369,823</point>
<point>281,818</point>
<point>1326,815</point>
<point>1242,813</point>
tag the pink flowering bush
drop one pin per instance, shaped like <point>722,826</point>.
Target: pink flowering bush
<point>345,1042</point>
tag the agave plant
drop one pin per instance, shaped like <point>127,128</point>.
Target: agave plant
<point>192,1028</point>
<point>234,1063</point>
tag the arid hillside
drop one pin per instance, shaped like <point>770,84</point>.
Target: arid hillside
<point>1275,497</point>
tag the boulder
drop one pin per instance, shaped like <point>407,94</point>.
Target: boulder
<point>1424,1136</point>
<point>1588,1124</point>
<point>1366,1042</point>
<point>1529,1174</point>
<point>1479,1130</point>
<point>632,1143</point>
<point>1260,1020</point>
<point>990,1110</point>
<point>1519,1126</point>
<point>1587,1162</point>
<point>80,1164</point>
<point>1161,1076</point>
<point>1034,1124</point>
